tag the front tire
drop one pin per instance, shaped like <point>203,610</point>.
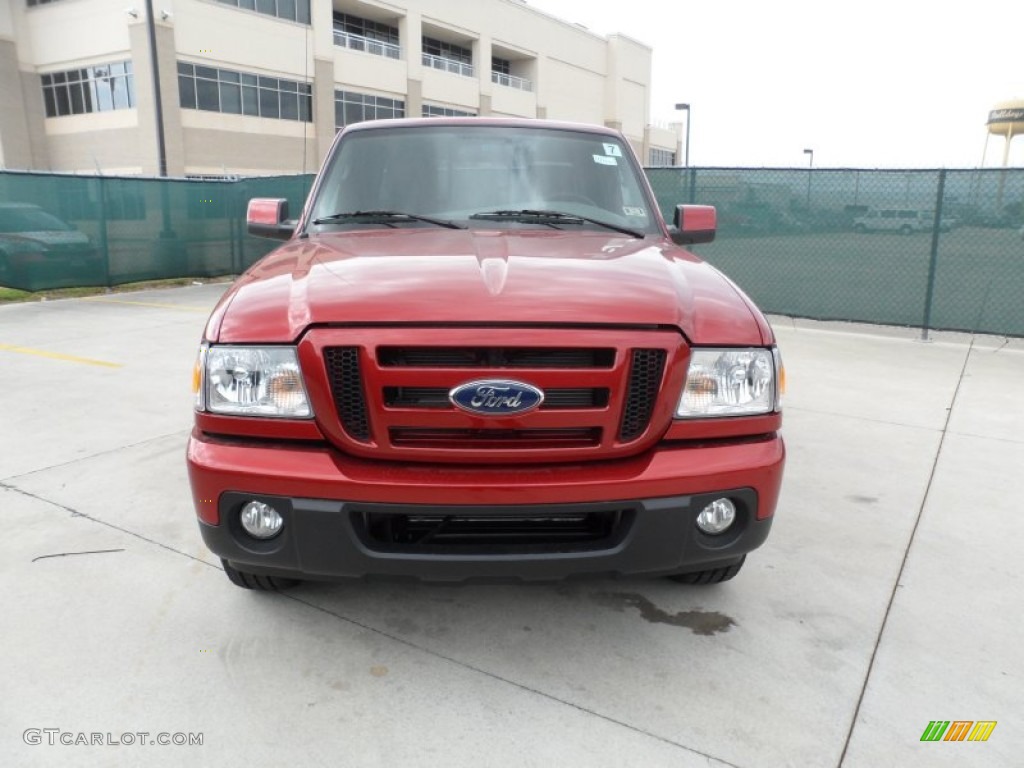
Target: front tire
<point>711,575</point>
<point>256,581</point>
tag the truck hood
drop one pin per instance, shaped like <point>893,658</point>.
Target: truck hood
<point>435,276</point>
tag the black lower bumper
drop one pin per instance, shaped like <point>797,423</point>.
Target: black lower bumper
<point>324,539</point>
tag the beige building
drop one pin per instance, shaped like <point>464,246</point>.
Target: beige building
<point>262,86</point>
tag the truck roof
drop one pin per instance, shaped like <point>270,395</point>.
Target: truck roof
<point>505,122</point>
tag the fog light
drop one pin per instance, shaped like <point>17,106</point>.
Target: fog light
<point>717,516</point>
<point>261,520</point>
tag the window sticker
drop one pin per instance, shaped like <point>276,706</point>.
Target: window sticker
<point>629,210</point>
<point>612,150</point>
<point>605,160</point>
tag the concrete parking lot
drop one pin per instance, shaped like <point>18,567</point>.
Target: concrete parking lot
<point>889,594</point>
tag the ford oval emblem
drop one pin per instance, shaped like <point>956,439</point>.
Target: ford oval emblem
<point>496,397</point>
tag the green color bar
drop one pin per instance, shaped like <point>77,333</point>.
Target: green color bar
<point>935,730</point>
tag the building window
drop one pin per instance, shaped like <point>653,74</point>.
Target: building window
<point>101,88</point>
<point>433,110</point>
<point>352,108</point>
<point>662,157</point>
<point>370,30</point>
<point>501,74</point>
<point>239,93</point>
<point>367,36</point>
<point>447,57</point>
<point>290,10</point>
<point>447,50</point>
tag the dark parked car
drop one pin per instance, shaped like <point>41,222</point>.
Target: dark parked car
<point>37,249</point>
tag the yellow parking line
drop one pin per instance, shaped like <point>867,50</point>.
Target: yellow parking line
<point>58,356</point>
<point>182,307</point>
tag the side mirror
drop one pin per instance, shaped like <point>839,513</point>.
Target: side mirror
<point>268,217</point>
<point>693,224</point>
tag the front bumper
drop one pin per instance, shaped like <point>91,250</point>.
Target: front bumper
<point>325,497</point>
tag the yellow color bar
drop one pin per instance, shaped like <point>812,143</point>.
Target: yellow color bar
<point>982,730</point>
<point>57,356</point>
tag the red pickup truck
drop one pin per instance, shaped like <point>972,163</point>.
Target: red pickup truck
<point>482,353</point>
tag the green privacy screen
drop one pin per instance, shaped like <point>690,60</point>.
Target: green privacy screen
<point>867,245</point>
<point>922,247</point>
<point>58,231</point>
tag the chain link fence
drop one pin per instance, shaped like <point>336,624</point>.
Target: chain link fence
<point>929,248</point>
<point>940,249</point>
<point>59,231</point>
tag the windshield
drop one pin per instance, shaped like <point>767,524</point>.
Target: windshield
<point>452,172</point>
<point>30,219</point>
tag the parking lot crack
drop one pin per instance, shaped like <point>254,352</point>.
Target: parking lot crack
<point>75,513</point>
<point>906,554</point>
<point>855,417</point>
<point>79,459</point>
<point>713,762</point>
<point>68,554</point>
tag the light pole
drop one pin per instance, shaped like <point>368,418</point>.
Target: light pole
<point>686,108</point>
<point>158,101</point>
<point>169,249</point>
<point>810,165</point>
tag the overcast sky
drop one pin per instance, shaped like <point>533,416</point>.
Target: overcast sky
<point>873,83</point>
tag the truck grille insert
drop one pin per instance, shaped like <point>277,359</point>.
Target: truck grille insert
<point>386,391</point>
<point>493,357</point>
<point>346,379</point>
<point>645,373</point>
<point>491,533</point>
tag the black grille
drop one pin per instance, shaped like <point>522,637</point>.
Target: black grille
<point>644,382</point>
<point>347,388</point>
<point>491,533</point>
<point>482,439</point>
<point>437,397</point>
<point>582,397</point>
<point>494,357</point>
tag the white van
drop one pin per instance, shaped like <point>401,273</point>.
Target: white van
<point>902,220</point>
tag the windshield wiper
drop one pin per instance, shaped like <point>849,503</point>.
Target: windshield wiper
<point>556,217</point>
<point>386,217</point>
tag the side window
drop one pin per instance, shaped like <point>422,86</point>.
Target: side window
<point>888,214</point>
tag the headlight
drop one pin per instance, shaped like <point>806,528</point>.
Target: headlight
<point>251,381</point>
<point>729,382</point>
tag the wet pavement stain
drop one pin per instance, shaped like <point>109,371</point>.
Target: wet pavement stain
<point>699,622</point>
